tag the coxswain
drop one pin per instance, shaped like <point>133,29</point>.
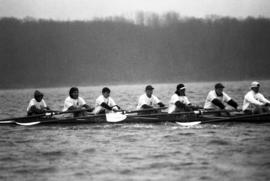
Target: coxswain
<point>74,102</point>
<point>104,103</point>
<point>216,99</point>
<point>254,101</point>
<point>37,104</point>
<point>148,100</point>
<point>179,101</point>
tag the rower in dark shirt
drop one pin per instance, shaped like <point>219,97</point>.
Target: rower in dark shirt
<point>216,99</point>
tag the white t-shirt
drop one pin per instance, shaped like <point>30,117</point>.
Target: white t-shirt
<point>38,105</point>
<point>144,99</point>
<point>211,96</point>
<point>101,99</point>
<point>73,102</point>
<point>253,99</point>
<point>174,99</point>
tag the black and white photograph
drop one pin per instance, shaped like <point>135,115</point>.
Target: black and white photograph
<point>134,90</point>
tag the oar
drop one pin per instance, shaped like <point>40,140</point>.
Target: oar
<point>198,112</point>
<point>110,117</point>
<point>115,117</point>
<point>56,120</point>
<point>73,111</point>
<point>120,116</point>
<point>48,113</point>
<point>223,119</point>
<point>24,117</point>
<point>28,124</point>
<point>146,110</point>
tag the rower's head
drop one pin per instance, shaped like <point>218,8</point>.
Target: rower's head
<point>219,89</point>
<point>74,92</point>
<point>149,90</point>
<point>38,95</point>
<point>106,92</point>
<point>180,90</point>
<point>255,86</point>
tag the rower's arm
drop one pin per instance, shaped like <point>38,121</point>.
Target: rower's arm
<point>106,106</point>
<point>250,98</point>
<point>180,104</point>
<point>88,107</point>
<point>145,106</point>
<point>161,104</point>
<point>34,109</point>
<point>233,103</point>
<point>218,103</point>
<point>118,107</point>
<point>263,99</point>
<point>71,108</point>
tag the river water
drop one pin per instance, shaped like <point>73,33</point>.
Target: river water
<point>132,151</point>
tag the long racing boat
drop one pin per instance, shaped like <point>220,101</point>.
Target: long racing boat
<point>188,118</point>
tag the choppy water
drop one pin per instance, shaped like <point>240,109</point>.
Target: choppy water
<point>135,151</point>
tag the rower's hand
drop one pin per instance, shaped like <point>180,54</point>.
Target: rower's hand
<point>161,104</point>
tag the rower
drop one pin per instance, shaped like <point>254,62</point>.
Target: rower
<point>148,100</point>
<point>74,102</point>
<point>104,103</point>
<point>216,99</point>
<point>254,101</point>
<point>179,101</point>
<point>37,104</point>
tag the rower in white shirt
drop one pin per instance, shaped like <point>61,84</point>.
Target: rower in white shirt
<point>216,99</point>
<point>179,101</point>
<point>254,101</point>
<point>104,103</point>
<point>37,105</point>
<point>148,100</point>
<point>74,102</point>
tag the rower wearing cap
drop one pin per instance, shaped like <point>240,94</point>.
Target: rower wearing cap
<point>104,103</point>
<point>148,100</point>
<point>179,101</point>
<point>254,101</point>
<point>74,102</point>
<point>37,105</point>
<point>216,99</point>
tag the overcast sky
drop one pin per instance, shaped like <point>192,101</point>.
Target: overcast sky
<point>87,9</point>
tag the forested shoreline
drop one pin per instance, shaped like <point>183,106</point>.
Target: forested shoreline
<point>150,48</point>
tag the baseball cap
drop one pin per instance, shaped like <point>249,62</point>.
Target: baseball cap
<point>149,87</point>
<point>219,85</point>
<point>180,87</point>
<point>254,84</point>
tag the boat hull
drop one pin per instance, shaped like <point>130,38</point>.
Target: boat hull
<point>150,118</point>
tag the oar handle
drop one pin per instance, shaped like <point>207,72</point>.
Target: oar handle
<point>146,110</point>
<point>55,112</point>
<point>245,116</point>
<point>47,113</point>
<point>203,111</point>
<point>24,117</point>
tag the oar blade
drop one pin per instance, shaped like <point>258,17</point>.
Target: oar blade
<point>115,117</point>
<point>28,124</point>
<point>189,123</point>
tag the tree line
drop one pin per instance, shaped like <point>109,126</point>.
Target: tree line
<point>148,48</point>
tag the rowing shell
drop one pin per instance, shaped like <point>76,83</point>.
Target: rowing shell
<point>183,120</point>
